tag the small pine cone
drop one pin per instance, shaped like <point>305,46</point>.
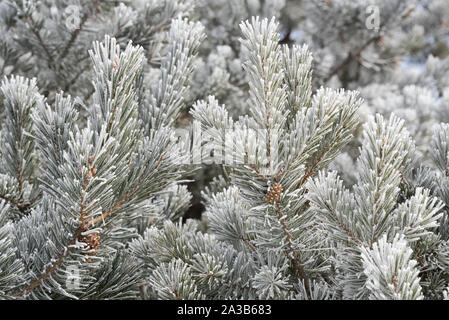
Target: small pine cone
<point>93,240</point>
<point>274,193</point>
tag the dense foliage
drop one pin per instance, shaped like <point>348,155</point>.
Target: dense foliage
<point>307,138</point>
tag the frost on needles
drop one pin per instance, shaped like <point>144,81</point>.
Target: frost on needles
<point>98,184</point>
<point>92,187</point>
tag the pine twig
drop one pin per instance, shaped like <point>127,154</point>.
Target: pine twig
<point>293,257</point>
<point>351,56</point>
<point>41,41</point>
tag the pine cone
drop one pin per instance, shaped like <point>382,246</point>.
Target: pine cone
<point>274,193</point>
<point>93,240</point>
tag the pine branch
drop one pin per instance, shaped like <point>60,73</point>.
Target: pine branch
<point>77,31</point>
<point>41,41</point>
<point>48,273</point>
<point>293,255</point>
<point>73,38</point>
<point>353,54</point>
<point>21,205</point>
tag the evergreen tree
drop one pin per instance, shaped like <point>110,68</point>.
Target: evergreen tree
<point>321,178</point>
